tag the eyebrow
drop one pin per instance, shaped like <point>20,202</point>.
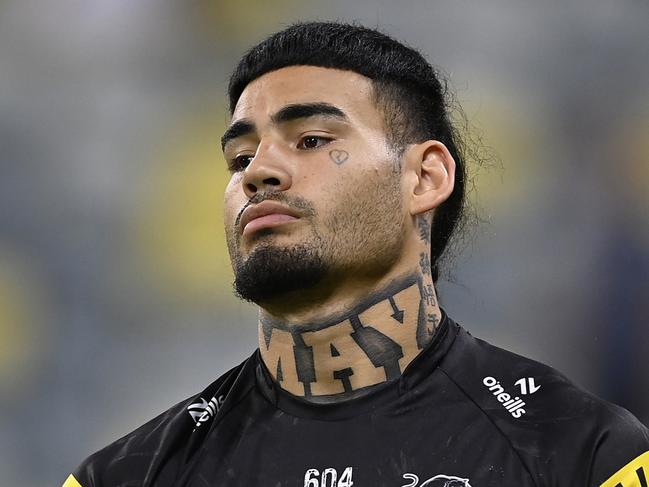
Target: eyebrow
<point>286,114</point>
<point>237,129</point>
<point>306,110</point>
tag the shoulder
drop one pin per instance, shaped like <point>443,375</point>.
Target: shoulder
<point>151,448</point>
<point>509,386</point>
<point>559,430</point>
<point>131,454</point>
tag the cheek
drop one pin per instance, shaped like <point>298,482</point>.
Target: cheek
<point>232,202</point>
<point>379,198</point>
<point>357,201</point>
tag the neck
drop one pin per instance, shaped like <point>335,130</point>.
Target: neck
<point>342,354</point>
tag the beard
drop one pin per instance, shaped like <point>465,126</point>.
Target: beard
<point>270,271</point>
<point>362,234</point>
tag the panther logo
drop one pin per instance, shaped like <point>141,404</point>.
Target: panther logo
<point>436,481</point>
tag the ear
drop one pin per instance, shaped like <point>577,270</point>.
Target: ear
<point>434,168</point>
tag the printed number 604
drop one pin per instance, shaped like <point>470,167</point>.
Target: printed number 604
<point>328,478</point>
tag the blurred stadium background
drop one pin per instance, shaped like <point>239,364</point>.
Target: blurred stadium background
<point>115,285</point>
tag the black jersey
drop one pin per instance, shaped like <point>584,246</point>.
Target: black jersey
<point>464,413</point>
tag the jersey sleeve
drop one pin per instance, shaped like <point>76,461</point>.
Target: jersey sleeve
<point>72,481</point>
<point>157,448</point>
<point>621,458</point>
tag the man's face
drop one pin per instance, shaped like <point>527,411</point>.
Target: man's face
<point>319,184</point>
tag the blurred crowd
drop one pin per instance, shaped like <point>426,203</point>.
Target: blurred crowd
<point>115,283</point>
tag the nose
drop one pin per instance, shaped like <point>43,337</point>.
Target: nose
<point>266,172</point>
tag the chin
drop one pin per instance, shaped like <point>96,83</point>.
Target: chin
<point>272,270</point>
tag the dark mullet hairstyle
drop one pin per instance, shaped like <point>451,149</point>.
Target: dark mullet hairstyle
<point>406,89</point>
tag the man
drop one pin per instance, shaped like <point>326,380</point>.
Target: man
<point>347,184</point>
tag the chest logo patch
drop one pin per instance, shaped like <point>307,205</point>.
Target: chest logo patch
<point>513,405</point>
<point>202,411</point>
<point>436,481</point>
<point>527,385</point>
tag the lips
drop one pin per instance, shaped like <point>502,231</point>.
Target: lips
<point>264,215</point>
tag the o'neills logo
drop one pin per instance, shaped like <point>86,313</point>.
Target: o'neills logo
<point>512,404</point>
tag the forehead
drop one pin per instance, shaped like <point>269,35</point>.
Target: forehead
<point>349,91</point>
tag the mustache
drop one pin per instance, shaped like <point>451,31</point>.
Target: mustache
<point>302,205</point>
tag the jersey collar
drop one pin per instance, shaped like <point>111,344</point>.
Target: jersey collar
<point>371,399</point>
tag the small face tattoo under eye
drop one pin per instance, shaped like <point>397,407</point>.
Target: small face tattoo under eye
<point>338,156</point>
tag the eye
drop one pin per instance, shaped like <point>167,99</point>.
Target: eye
<point>241,162</point>
<point>313,142</point>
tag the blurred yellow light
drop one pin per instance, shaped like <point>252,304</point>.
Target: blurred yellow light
<point>22,336</point>
<point>180,239</point>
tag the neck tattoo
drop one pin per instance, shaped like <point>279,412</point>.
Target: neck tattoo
<point>342,357</point>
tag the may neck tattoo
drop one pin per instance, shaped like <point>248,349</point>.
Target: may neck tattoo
<point>342,357</point>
